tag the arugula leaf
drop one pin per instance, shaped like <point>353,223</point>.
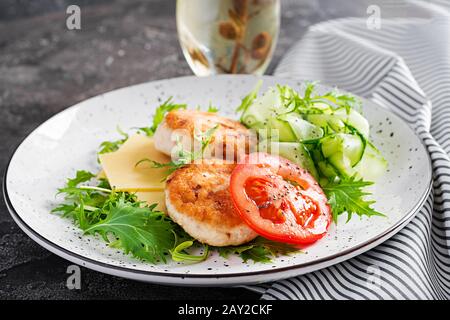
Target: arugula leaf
<point>81,176</point>
<point>346,100</point>
<point>275,248</point>
<point>205,137</point>
<point>306,104</point>
<point>170,166</point>
<point>111,146</point>
<point>259,250</point>
<point>73,191</point>
<point>87,204</point>
<point>248,99</point>
<point>309,90</point>
<point>179,252</point>
<point>65,209</point>
<point>302,105</point>
<point>212,108</point>
<point>82,212</point>
<point>76,195</point>
<point>158,117</point>
<point>225,252</point>
<point>144,233</point>
<point>347,195</point>
<point>334,99</point>
<point>257,254</point>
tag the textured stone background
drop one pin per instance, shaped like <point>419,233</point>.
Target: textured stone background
<point>45,68</point>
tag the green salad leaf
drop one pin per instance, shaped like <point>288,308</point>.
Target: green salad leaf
<point>111,146</point>
<point>141,231</point>
<point>258,250</point>
<point>347,196</point>
<point>88,204</point>
<point>338,99</point>
<point>158,117</point>
<point>80,177</point>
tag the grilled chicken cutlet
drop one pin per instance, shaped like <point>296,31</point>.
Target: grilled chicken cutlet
<point>198,199</point>
<point>230,140</point>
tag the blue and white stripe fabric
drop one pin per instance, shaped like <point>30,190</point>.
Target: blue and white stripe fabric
<point>403,66</point>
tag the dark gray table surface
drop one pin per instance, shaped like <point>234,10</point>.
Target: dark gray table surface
<point>45,68</point>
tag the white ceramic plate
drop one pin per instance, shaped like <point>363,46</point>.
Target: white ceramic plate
<point>69,140</point>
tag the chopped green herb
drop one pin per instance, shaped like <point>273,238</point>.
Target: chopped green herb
<point>212,108</point>
<point>184,157</point>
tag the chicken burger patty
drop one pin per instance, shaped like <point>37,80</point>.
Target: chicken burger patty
<point>198,199</point>
<point>230,140</point>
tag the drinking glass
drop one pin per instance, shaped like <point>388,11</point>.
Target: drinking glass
<point>228,36</point>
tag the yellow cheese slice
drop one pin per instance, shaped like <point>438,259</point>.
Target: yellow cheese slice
<point>133,141</point>
<point>101,175</point>
<point>122,173</point>
<point>151,197</point>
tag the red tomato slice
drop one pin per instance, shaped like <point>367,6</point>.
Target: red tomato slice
<point>279,200</point>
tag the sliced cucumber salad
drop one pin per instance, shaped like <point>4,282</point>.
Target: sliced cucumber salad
<point>325,134</point>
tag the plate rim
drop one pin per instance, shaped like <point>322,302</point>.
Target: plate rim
<point>344,255</point>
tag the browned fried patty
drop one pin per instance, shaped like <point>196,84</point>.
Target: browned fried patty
<point>198,199</point>
<point>230,140</point>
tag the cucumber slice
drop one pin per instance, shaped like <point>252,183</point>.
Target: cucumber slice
<point>275,130</point>
<point>327,121</point>
<point>285,132</point>
<point>260,110</point>
<point>342,163</point>
<point>297,153</point>
<point>294,151</point>
<point>323,107</point>
<point>265,107</point>
<point>331,145</point>
<point>315,108</point>
<point>326,169</point>
<point>351,146</point>
<point>337,120</point>
<point>372,164</point>
<point>302,129</point>
<point>343,151</point>
<point>354,119</point>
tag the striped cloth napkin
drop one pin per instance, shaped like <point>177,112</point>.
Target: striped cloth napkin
<point>405,67</point>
